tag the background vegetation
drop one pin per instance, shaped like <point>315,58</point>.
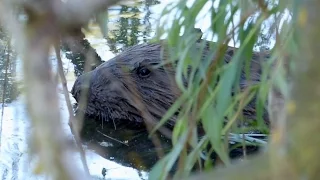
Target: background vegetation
<point>292,71</point>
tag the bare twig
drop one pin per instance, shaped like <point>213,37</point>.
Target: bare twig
<point>113,138</point>
<point>73,41</point>
<point>40,89</point>
<point>45,20</point>
<point>48,137</point>
<point>72,119</point>
<point>246,137</point>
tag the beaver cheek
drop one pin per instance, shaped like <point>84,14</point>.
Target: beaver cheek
<point>113,86</point>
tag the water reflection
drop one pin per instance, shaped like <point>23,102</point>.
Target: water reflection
<point>132,27</point>
<point>78,50</point>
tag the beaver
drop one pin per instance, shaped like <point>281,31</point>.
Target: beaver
<point>134,87</point>
<point>137,73</point>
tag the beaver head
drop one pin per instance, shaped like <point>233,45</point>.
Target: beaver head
<point>115,84</point>
<point>136,74</point>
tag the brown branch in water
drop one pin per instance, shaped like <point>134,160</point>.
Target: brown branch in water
<point>72,119</point>
<point>74,41</point>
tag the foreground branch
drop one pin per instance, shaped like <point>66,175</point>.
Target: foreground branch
<point>49,140</point>
<point>72,119</point>
<point>46,21</point>
<point>70,13</point>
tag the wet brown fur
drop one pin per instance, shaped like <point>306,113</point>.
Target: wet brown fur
<point>111,95</point>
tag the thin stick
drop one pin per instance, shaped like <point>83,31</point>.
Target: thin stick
<point>72,119</point>
<point>113,138</point>
<point>75,38</point>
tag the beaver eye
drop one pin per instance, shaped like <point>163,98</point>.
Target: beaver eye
<point>144,72</point>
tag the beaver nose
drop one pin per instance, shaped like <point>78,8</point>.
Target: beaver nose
<point>82,84</point>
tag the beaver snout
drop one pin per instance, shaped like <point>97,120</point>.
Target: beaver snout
<point>82,84</point>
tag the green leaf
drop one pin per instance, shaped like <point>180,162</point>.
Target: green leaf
<point>180,127</point>
<point>218,21</point>
<point>173,109</point>
<point>212,126</point>
<point>195,154</point>
<point>162,168</point>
